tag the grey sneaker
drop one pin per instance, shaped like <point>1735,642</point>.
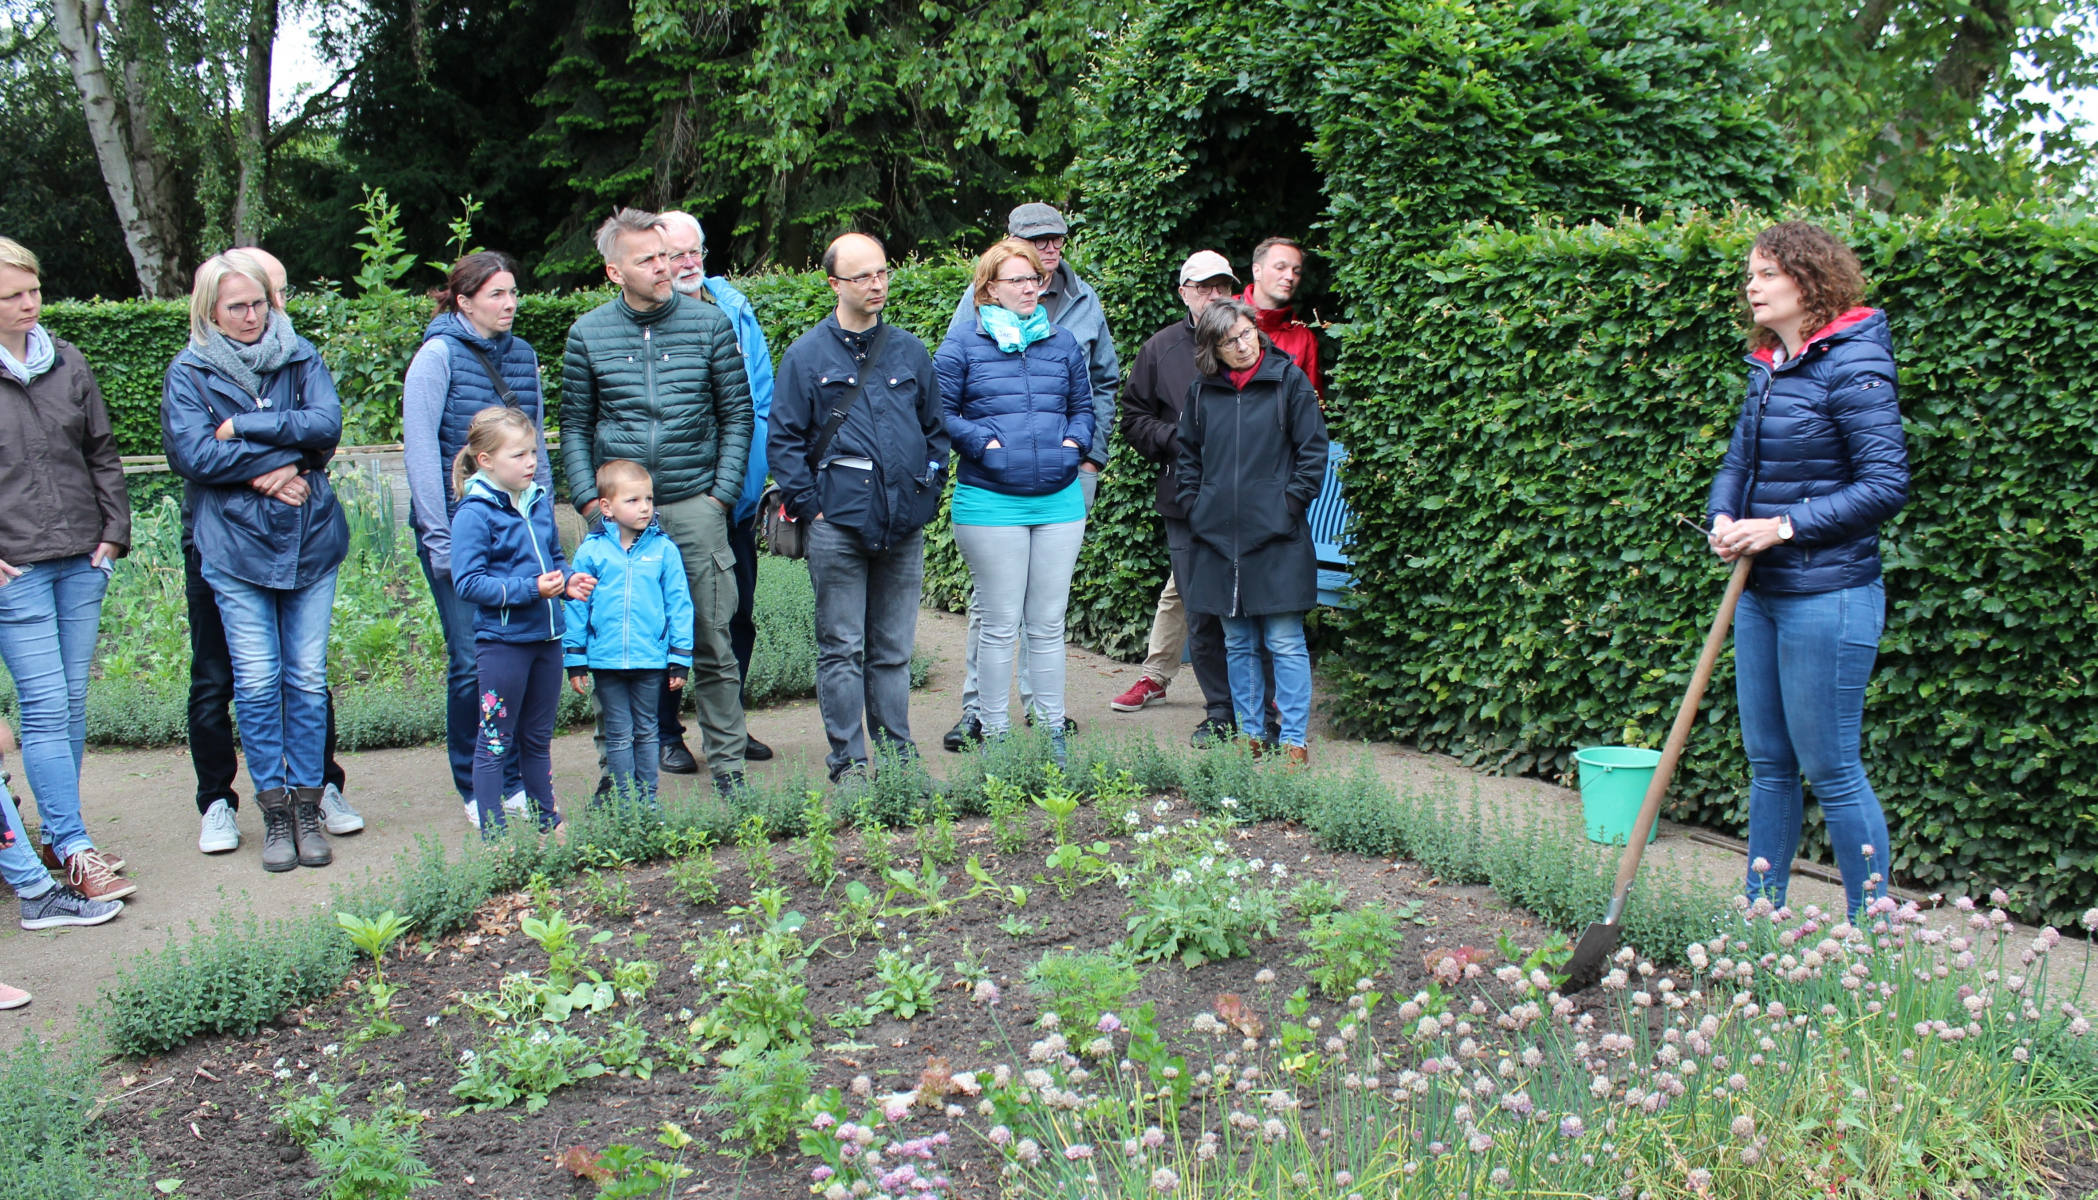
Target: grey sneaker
<point>64,906</point>
<point>338,814</point>
<point>221,831</point>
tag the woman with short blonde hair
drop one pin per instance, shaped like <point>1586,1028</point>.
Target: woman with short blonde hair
<point>64,520</point>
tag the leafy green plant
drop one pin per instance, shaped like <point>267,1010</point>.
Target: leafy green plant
<point>1060,802</point>
<point>374,937</point>
<point>384,262</point>
<point>1080,985</point>
<point>633,1173</point>
<point>1346,947</point>
<point>925,886</point>
<point>696,880</point>
<point>1008,808</point>
<point>609,893</point>
<point>877,845</point>
<point>1539,968</point>
<point>764,1092</point>
<point>462,227</point>
<point>1316,897</point>
<point>907,987</point>
<point>858,914</point>
<point>1210,909</point>
<point>754,844</point>
<point>623,1049</point>
<point>527,1063</point>
<point>1076,866</point>
<point>304,1116</point>
<point>756,985</point>
<point>987,884</point>
<point>938,843</point>
<point>819,840</point>
<point>373,1159</point>
<point>1016,926</point>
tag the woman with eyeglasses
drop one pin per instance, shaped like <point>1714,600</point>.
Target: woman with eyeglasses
<point>250,419</point>
<point>470,360</point>
<point>1252,458</point>
<point>1019,406</point>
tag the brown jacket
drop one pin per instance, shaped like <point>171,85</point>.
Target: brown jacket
<point>61,483</point>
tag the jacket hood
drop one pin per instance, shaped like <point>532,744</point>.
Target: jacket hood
<point>452,325</point>
<point>1269,319</point>
<point>1859,322</point>
<point>480,487</point>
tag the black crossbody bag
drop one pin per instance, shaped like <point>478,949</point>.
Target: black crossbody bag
<point>784,536</point>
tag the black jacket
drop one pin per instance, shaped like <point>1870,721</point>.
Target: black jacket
<point>1251,462</point>
<point>896,423</point>
<point>1151,400</point>
<point>1820,440</point>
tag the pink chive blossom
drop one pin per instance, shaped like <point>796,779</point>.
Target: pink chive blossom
<point>1000,1135</point>
<point>1163,1180</point>
<point>1570,1127</point>
<point>821,1173</point>
<point>2090,920</point>
<point>986,993</point>
<point>1081,1150</point>
<point>1154,1137</point>
<point>1761,866</point>
<point>1109,1023</point>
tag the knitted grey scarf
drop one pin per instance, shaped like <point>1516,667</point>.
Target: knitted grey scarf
<point>248,364</point>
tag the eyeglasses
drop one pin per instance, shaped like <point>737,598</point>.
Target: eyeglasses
<point>1209,289</point>
<point>1023,282</point>
<point>1249,337</point>
<point>870,278</point>
<point>1054,241</point>
<point>244,311</point>
<point>688,256</point>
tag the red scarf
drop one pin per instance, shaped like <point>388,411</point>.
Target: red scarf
<point>1239,379</point>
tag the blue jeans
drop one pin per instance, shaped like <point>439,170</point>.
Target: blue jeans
<point>462,705</point>
<point>279,641</point>
<point>49,616</point>
<point>1801,663</point>
<point>18,862</point>
<point>627,710</point>
<point>1283,636</point>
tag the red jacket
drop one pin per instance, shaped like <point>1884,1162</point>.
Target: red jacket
<point>1292,337</point>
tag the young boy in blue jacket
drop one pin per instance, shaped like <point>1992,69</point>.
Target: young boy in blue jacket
<point>507,563</point>
<point>635,628</point>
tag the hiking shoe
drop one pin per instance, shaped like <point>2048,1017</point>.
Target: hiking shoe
<point>966,730</point>
<point>49,856</point>
<point>678,760</point>
<point>755,750</point>
<point>336,812</point>
<point>280,846</point>
<point>308,833</point>
<point>1142,695</point>
<point>12,997</point>
<point>728,783</point>
<point>65,905</point>
<point>221,831</point>
<point>1213,731</point>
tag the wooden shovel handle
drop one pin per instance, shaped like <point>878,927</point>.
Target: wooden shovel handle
<point>1685,720</point>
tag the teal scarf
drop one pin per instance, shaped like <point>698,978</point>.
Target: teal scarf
<point>1012,332</point>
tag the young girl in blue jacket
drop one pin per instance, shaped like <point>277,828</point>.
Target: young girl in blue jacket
<point>507,563</point>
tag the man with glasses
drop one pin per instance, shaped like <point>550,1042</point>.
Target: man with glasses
<point>1151,402</point>
<point>858,442</point>
<point>687,243</point>
<point>1072,305</point>
<point>657,378</point>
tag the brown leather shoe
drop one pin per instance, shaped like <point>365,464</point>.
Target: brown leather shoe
<point>88,873</point>
<point>1299,756</point>
<point>51,860</point>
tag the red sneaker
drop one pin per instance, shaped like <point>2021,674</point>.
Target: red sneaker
<point>1143,694</point>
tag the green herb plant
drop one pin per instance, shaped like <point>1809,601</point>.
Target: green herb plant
<point>1080,985</point>
<point>375,937</point>
<point>754,844</point>
<point>696,879</point>
<point>1008,808</point>
<point>1343,948</point>
<point>819,840</point>
<point>908,987</point>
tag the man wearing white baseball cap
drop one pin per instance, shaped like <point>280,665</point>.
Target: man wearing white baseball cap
<point>1152,397</point>
<point>1073,306</point>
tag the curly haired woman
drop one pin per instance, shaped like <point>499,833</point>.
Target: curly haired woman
<point>1817,464</point>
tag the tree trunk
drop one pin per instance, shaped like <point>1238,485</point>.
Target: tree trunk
<point>133,167</point>
<point>251,198</point>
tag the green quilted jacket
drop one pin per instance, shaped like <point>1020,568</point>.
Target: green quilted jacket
<point>664,388</point>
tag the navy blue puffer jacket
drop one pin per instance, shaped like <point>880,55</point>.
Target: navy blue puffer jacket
<point>1028,402</point>
<point>1820,440</point>
<point>472,390</point>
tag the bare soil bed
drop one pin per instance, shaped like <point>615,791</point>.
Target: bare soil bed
<point>204,1114</point>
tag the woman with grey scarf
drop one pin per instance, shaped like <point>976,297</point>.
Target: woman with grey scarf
<point>250,419</point>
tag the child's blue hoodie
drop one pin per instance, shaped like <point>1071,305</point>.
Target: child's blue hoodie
<point>640,616</point>
<point>499,549</point>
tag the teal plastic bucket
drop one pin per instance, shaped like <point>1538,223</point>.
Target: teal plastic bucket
<point>1614,780</point>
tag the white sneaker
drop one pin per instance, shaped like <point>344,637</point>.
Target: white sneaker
<point>221,832</point>
<point>516,803</point>
<point>473,814</point>
<point>341,818</point>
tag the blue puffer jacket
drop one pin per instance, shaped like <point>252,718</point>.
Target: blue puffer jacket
<point>472,390</point>
<point>1820,440</point>
<point>640,616</point>
<point>1028,401</point>
<point>499,550</point>
<point>296,421</point>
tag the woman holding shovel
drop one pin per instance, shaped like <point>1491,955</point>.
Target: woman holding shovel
<point>1816,465</point>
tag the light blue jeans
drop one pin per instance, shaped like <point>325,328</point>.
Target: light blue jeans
<point>1023,584</point>
<point>1801,663</point>
<point>1283,635</point>
<point>49,615</point>
<point>279,641</point>
<point>18,862</point>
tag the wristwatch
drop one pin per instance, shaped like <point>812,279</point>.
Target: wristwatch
<point>1784,528</point>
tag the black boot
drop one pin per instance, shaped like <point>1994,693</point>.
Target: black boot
<point>280,850</point>
<point>310,828</point>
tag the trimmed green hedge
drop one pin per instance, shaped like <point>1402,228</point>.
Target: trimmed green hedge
<point>1562,393</point>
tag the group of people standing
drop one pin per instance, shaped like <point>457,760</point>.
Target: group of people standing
<point>671,420</point>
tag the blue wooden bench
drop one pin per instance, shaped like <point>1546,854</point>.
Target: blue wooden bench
<point>1329,532</point>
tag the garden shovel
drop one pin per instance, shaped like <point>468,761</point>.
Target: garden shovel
<point>1592,955</point>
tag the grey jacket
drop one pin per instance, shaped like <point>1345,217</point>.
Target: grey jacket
<point>1075,307</point>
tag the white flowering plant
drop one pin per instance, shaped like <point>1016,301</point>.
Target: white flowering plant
<point>1209,908</point>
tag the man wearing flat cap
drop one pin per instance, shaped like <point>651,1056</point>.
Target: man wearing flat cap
<point>1075,307</point>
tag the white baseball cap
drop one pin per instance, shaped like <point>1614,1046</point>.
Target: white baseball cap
<point>1206,264</point>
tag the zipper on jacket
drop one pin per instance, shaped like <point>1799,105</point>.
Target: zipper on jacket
<point>1238,463</point>
<point>655,415</point>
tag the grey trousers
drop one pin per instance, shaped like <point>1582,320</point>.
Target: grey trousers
<point>1023,585</point>
<point>699,527</point>
<point>1089,485</point>
<point>866,628</point>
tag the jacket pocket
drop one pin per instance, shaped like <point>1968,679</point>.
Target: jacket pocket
<point>844,494</point>
<point>997,460</point>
